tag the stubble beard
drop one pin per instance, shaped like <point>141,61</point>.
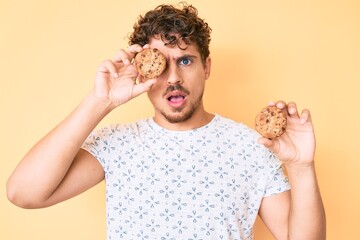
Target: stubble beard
<point>179,115</point>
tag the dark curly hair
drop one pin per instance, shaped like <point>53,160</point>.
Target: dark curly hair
<point>173,24</point>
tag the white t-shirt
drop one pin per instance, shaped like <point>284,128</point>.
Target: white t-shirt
<point>205,183</point>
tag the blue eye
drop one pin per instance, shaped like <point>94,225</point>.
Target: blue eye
<point>185,61</point>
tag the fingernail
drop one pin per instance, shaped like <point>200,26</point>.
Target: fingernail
<point>302,120</point>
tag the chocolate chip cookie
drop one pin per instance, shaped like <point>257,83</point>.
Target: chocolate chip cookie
<point>150,63</point>
<point>271,122</point>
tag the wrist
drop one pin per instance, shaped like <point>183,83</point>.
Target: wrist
<point>300,171</point>
<point>299,167</point>
<point>103,105</point>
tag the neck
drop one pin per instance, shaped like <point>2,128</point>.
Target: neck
<point>198,119</point>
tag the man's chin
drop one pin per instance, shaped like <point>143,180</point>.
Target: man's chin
<point>178,116</point>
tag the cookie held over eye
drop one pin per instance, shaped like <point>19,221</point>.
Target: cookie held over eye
<point>271,122</point>
<point>150,63</point>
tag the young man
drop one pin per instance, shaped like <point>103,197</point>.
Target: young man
<point>185,173</point>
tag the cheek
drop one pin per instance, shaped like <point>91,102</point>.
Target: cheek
<point>198,92</point>
<point>197,87</point>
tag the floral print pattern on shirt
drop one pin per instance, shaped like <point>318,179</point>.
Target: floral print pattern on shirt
<point>205,183</point>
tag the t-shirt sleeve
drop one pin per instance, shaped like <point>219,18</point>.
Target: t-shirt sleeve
<point>277,181</point>
<point>98,143</point>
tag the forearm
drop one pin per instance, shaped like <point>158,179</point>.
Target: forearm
<point>43,168</point>
<point>307,216</point>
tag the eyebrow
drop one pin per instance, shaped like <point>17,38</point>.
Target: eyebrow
<point>185,56</point>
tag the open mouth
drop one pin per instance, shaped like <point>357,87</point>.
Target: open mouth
<point>176,98</point>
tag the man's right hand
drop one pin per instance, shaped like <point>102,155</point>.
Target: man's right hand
<point>56,168</point>
<point>116,79</point>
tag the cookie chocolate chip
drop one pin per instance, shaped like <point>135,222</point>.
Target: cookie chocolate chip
<point>271,122</point>
<point>150,63</point>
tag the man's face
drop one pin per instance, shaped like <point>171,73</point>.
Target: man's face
<point>177,95</point>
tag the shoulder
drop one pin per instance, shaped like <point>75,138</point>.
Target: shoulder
<point>126,128</point>
<point>233,126</point>
<point>245,137</point>
<point>116,132</point>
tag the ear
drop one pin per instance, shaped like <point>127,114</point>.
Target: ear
<point>207,67</point>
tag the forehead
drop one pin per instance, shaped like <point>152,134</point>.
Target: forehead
<point>170,50</point>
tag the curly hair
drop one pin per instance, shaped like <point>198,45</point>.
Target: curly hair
<point>174,26</point>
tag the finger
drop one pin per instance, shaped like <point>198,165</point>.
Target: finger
<point>273,145</point>
<point>125,56</point>
<point>143,87</point>
<point>265,141</point>
<point>108,67</point>
<point>272,103</point>
<point>121,56</point>
<point>305,116</point>
<point>292,110</point>
<point>133,50</point>
<point>141,78</point>
<point>280,104</point>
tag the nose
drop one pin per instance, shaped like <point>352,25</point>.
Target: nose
<point>174,76</point>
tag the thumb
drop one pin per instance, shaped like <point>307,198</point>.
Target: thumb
<point>272,144</point>
<point>142,87</point>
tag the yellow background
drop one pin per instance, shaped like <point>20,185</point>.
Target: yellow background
<point>262,50</point>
